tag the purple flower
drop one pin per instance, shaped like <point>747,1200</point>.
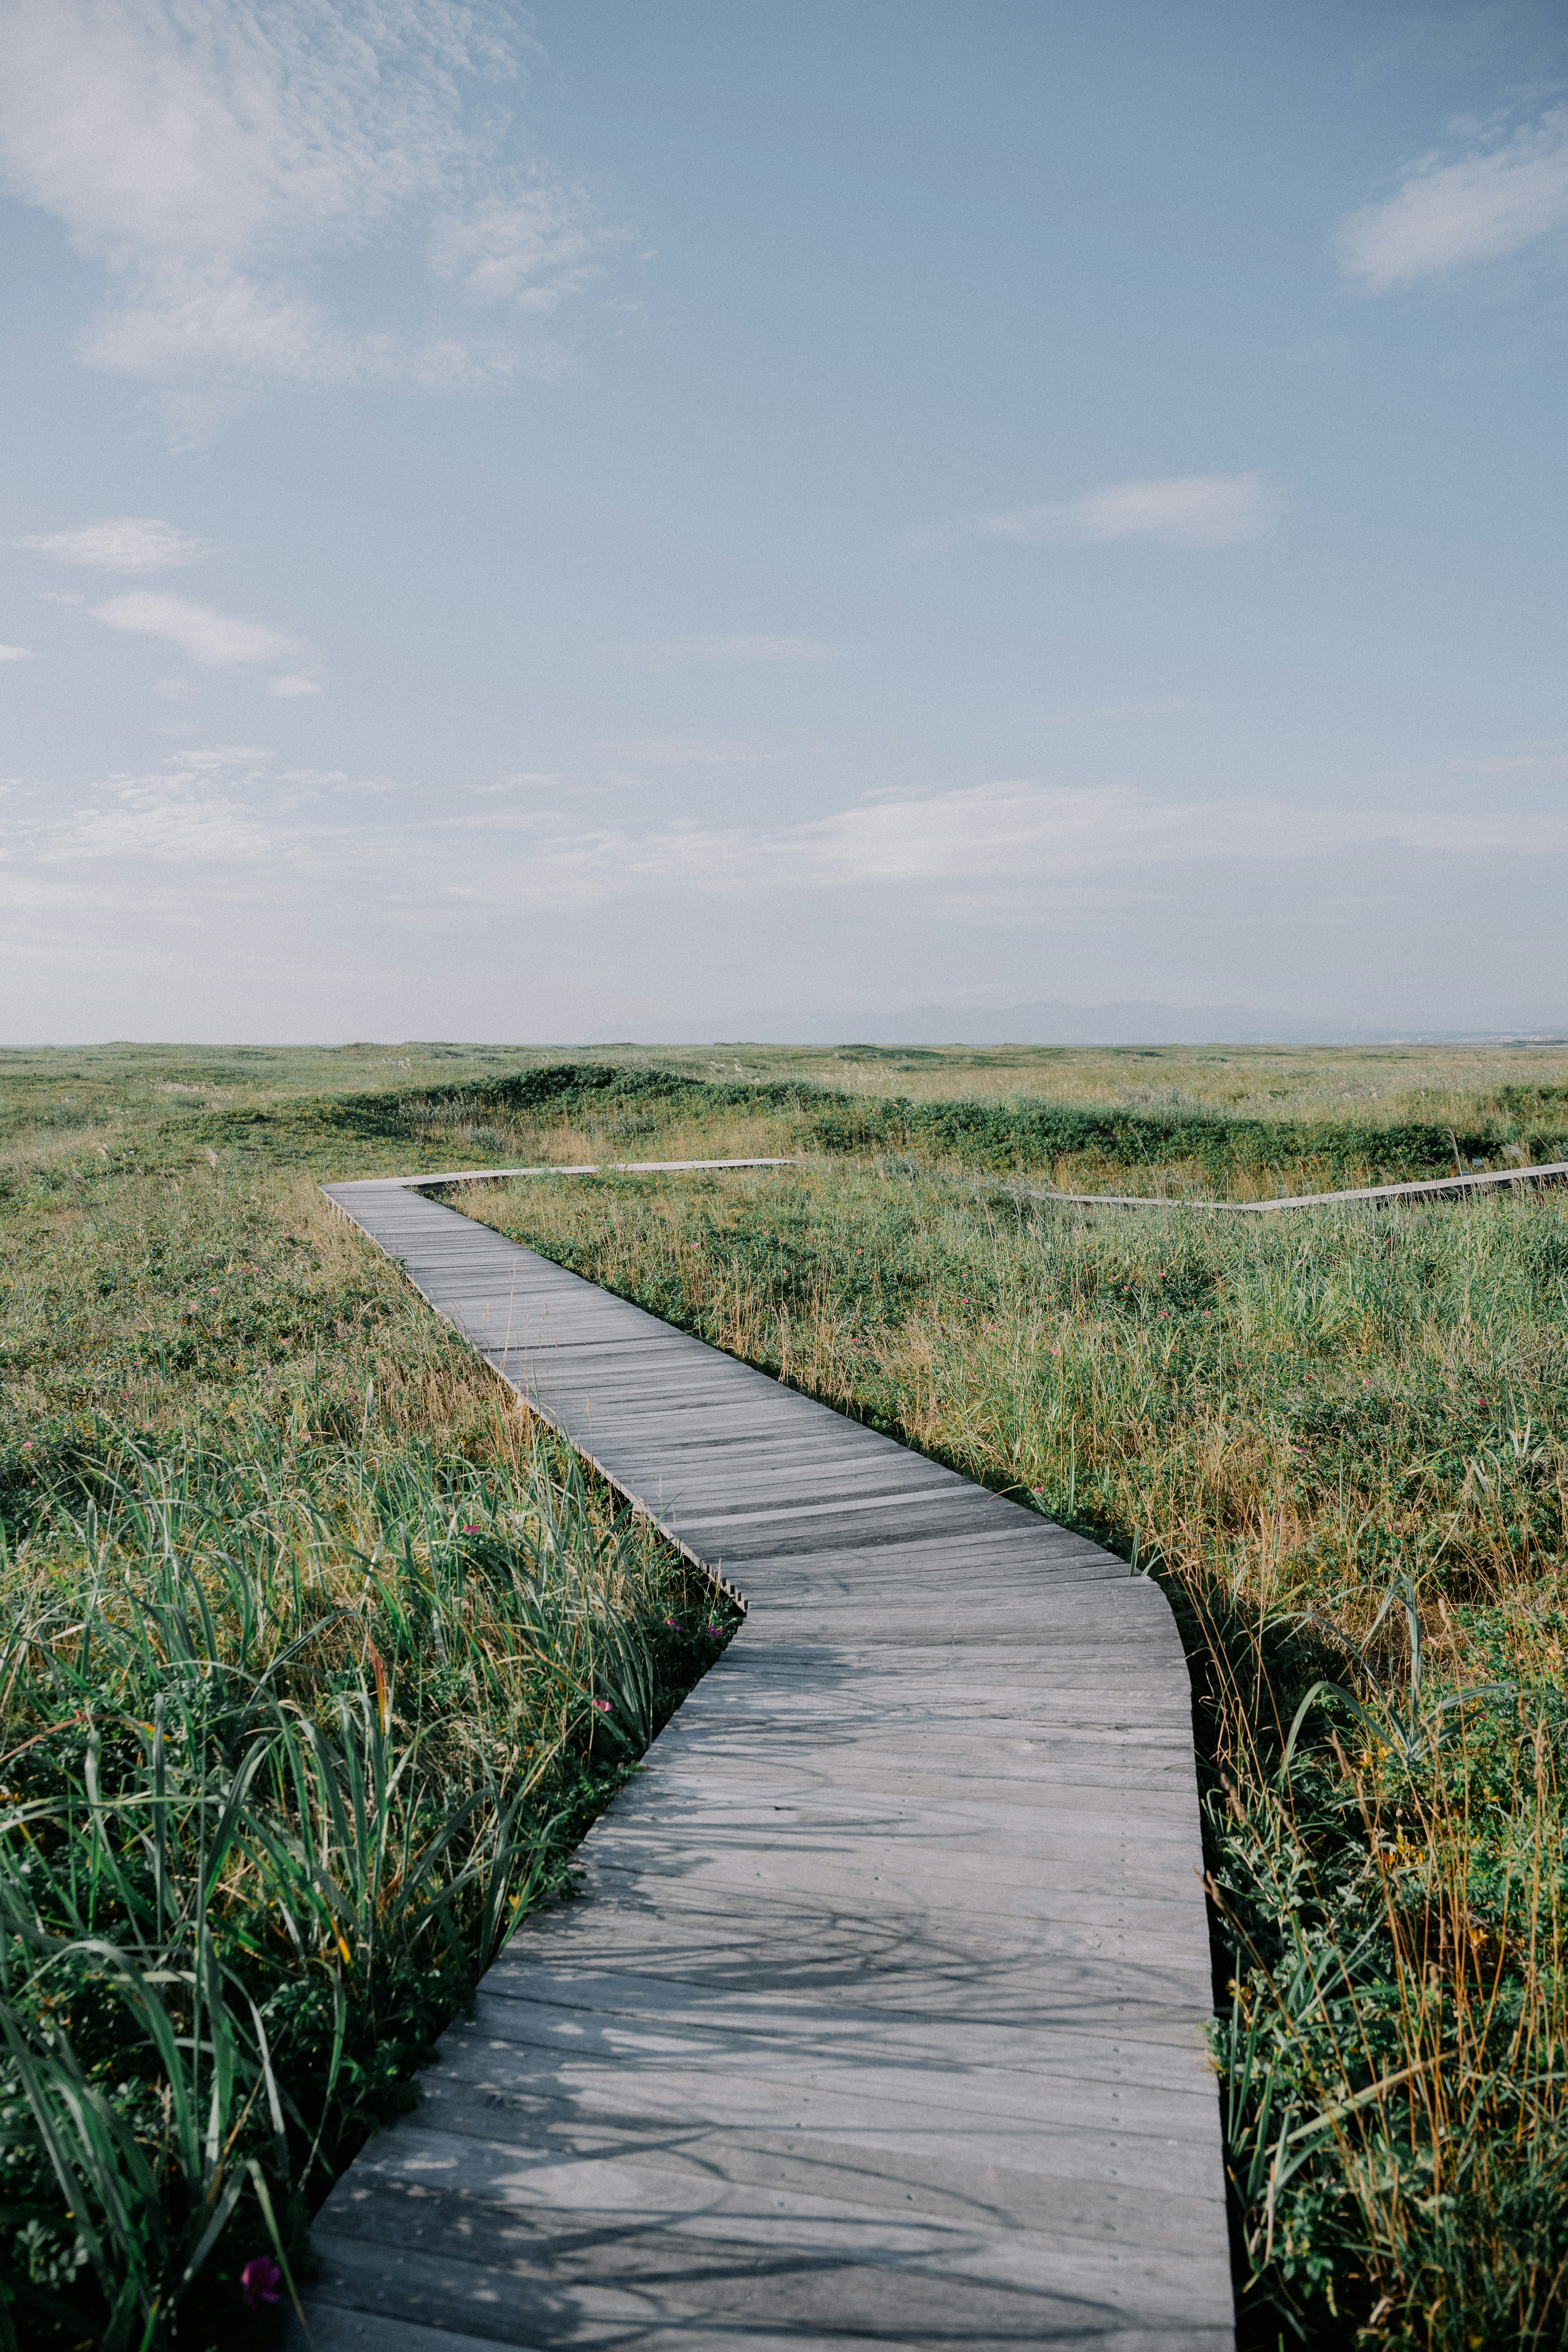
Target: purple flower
<point>261,2280</point>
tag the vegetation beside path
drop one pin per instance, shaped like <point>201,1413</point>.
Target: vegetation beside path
<point>316,1660</point>
<point>325,1658</point>
<point>1342,1440</point>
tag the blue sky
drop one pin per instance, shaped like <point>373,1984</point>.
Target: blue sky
<point>712,520</point>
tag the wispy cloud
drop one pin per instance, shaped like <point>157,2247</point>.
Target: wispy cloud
<point>17,653</point>
<point>972,852</point>
<point>667,653</point>
<point>216,640</point>
<point>215,158</point>
<point>1009,834</point>
<point>1179,510</point>
<point>200,809</point>
<point>134,543</point>
<point>528,245</point>
<point>1500,194</point>
<point>1006,851</point>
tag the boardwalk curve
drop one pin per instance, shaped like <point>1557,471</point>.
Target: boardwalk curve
<point>880,2016</point>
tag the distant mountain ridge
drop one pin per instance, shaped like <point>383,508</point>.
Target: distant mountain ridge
<point>1130,1021</point>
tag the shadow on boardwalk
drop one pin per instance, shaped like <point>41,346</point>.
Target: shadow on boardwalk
<point>879,2014</point>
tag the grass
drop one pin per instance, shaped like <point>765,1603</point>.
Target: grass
<point>317,1658</point>
<point>1289,1423</point>
<point>1341,1440</point>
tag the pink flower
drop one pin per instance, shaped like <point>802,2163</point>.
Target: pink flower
<point>602,1705</point>
<point>261,2280</point>
<point>475,1529</point>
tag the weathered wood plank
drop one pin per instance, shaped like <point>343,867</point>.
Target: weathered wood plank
<point>879,2016</point>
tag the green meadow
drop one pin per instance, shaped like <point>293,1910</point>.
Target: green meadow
<point>318,1657</point>
<point>316,1660</point>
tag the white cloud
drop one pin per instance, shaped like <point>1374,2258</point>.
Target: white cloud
<point>134,543</point>
<point>1181,510</point>
<point>666,653</point>
<point>213,156</point>
<point>998,849</point>
<point>1057,830</point>
<point>290,687</point>
<point>217,640</point>
<point>530,246</point>
<point>1007,851</point>
<point>1499,195</point>
<point>199,810</point>
<point>17,653</point>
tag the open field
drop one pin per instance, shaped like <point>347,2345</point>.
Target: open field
<point>1294,1422</point>
<point>1378,1085</point>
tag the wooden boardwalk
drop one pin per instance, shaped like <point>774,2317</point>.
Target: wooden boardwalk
<point>880,2018</point>
<point>1431,1188</point>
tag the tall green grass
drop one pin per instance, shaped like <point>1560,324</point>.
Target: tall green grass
<point>290,1740</point>
<point>316,1659</point>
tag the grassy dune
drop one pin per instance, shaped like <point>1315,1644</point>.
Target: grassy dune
<point>258,1505</point>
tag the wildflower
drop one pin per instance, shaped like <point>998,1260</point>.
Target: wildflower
<point>602,1705</point>
<point>26,1445</point>
<point>261,2280</point>
<point>673,1623</point>
<point>472,1528</point>
<point>716,1631</point>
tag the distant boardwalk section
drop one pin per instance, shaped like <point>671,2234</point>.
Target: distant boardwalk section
<point>880,2018</point>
